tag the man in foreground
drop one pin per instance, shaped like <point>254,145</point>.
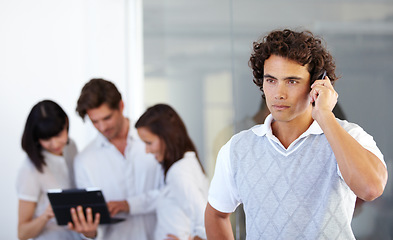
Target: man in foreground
<point>299,173</point>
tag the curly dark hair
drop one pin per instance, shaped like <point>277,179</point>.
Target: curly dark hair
<point>95,93</point>
<point>302,47</point>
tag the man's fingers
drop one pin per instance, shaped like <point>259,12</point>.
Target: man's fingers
<point>114,212</point>
<point>314,94</point>
<point>112,207</point>
<point>115,207</point>
<point>326,83</point>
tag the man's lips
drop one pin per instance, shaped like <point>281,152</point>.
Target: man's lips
<point>280,107</point>
<point>107,132</point>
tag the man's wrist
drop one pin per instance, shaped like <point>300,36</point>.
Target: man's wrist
<point>321,116</point>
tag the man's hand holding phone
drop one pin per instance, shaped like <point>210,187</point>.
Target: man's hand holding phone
<point>323,96</point>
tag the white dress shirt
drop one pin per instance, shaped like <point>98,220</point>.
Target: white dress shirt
<point>134,176</point>
<point>182,202</point>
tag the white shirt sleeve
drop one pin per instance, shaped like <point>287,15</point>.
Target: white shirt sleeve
<point>367,141</point>
<point>223,194</point>
<point>148,171</point>
<point>363,138</point>
<point>143,203</point>
<point>27,183</point>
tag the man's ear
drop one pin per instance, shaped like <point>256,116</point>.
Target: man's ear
<point>121,105</point>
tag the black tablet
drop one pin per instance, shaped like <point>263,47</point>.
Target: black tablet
<point>63,200</point>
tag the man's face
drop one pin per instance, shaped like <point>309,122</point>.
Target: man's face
<point>286,85</point>
<point>106,120</point>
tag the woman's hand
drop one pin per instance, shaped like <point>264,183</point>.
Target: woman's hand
<point>84,225</point>
<point>48,213</point>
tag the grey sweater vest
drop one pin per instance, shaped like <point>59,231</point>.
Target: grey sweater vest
<point>298,196</point>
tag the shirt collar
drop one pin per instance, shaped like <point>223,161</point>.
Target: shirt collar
<point>52,157</point>
<point>266,128</point>
<point>189,154</point>
<point>104,142</point>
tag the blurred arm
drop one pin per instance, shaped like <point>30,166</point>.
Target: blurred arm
<point>27,226</point>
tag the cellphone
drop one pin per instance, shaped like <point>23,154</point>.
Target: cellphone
<point>323,75</point>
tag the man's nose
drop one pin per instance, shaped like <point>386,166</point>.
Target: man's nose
<point>281,91</point>
<point>101,126</point>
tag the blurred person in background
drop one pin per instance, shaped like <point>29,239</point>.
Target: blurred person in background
<point>116,162</point>
<point>50,155</point>
<point>181,204</point>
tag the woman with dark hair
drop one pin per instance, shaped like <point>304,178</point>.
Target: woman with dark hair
<point>50,155</point>
<point>180,207</point>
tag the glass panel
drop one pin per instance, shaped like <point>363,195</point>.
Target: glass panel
<point>187,58</point>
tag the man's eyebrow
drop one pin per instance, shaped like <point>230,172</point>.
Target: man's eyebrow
<point>108,116</point>
<point>293,78</point>
<point>287,78</point>
<point>268,76</point>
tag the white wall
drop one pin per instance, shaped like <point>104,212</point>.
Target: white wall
<point>48,50</point>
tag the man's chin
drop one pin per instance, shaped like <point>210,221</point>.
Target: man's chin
<point>280,116</point>
<point>109,135</point>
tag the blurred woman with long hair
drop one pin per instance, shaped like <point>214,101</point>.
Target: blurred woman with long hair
<point>180,207</point>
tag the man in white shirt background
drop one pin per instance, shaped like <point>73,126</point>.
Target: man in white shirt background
<point>116,162</point>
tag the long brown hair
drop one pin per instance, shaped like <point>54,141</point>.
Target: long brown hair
<point>163,121</point>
